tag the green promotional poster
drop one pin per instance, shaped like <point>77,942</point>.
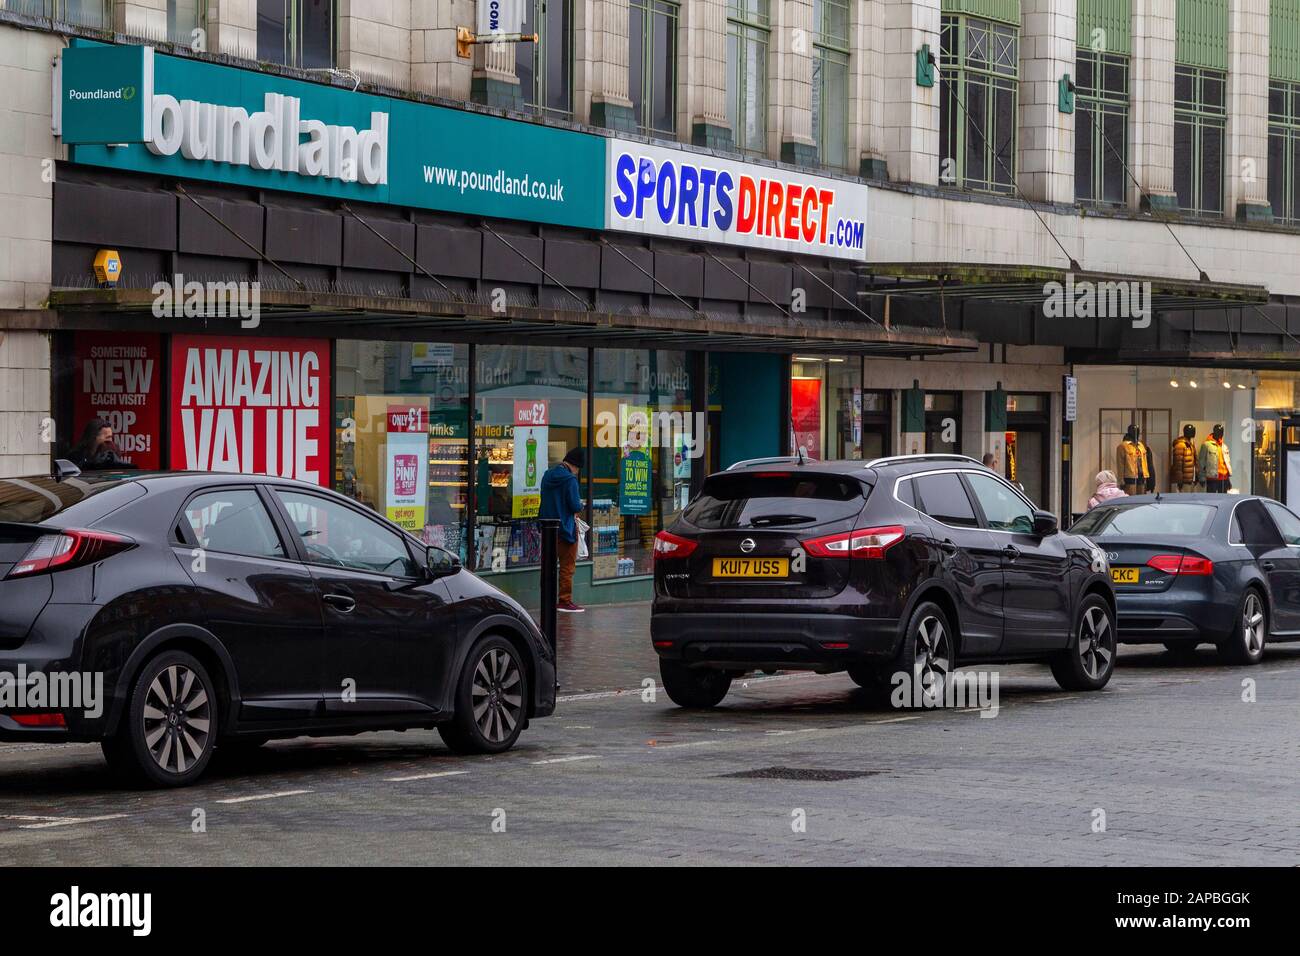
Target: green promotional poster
<point>634,484</point>
<point>191,119</point>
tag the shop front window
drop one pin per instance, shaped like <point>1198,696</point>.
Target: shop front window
<point>1129,418</point>
<point>827,406</point>
<point>530,409</point>
<point>401,441</point>
<point>645,446</point>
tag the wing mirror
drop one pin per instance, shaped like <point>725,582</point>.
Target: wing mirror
<point>1045,524</point>
<point>440,562</point>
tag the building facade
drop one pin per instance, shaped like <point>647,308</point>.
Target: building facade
<point>677,234</point>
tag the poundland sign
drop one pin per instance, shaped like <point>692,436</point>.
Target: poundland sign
<point>190,119</point>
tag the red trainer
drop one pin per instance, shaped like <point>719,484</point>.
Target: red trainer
<point>568,607</point>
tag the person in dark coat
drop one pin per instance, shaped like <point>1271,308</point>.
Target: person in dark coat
<point>560,499</point>
<point>96,451</point>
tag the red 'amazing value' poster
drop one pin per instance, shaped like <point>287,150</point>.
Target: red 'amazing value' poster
<point>257,406</point>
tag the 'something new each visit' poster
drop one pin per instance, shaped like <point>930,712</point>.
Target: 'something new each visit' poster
<point>119,380</point>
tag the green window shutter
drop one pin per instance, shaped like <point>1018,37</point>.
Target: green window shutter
<point>1004,11</point>
<point>1113,18</point>
<point>1201,33</point>
<point>1284,40</point>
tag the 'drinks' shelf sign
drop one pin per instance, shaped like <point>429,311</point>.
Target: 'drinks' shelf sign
<point>257,406</point>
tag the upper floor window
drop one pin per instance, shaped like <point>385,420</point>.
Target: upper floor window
<point>545,68</point>
<point>652,72</point>
<point>1284,151</point>
<point>183,18</point>
<point>748,40</point>
<point>978,85</point>
<point>296,32</point>
<point>1200,115</point>
<point>830,82</point>
<point>85,13</point>
<point>1100,127</point>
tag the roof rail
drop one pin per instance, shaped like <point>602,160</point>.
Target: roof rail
<point>771,461</point>
<point>893,459</point>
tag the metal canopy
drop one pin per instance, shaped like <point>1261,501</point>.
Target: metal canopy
<point>358,315</point>
<point>1025,285</point>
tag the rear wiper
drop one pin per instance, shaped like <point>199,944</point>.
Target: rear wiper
<point>763,520</point>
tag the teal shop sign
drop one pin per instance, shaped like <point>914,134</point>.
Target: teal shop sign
<point>634,484</point>
<point>105,95</point>
<point>223,124</point>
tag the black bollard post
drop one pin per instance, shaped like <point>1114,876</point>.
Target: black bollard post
<point>550,583</point>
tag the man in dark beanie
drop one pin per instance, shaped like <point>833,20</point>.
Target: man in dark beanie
<point>560,499</point>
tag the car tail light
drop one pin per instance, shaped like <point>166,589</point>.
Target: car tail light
<point>38,720</point>
<point>68,549</point>
<point>863,543</point>
<point>1191,564</point>
<point>669,545</point>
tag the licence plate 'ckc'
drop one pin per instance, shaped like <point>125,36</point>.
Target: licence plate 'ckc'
<point>751,567</point>
<point>1124,575</point>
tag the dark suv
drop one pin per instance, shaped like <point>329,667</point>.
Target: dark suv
<point>906,564</point>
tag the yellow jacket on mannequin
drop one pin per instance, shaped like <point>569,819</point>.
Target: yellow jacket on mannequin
<point>1131,462</point>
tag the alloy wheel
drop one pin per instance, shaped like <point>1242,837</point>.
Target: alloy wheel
<point>1096,642</point>
<point>932,663</point>
<point>1253,624</point>
<point>498,703</point>
<point>177,718</point>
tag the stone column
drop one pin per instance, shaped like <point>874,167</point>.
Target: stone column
<point>1045,164</point>
<point>909,124</point>
<point>374,40</point>
<point>867,63</point>
<point>435,67</point>
<point>791,80</point>
<point>704,31</point>
<point>1246,152</point>
<point>1151,124</point>
<point>232,28</point>
<point>606,42</point>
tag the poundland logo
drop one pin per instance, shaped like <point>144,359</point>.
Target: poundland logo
<point>124,93</point>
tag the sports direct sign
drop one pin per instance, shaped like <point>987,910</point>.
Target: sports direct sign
<point>681,195</point>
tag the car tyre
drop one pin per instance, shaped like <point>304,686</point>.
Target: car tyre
<point>491,699</point>
<point>1244,644</point>
<point>1090,659</point>
<point>927,655</point>
<point>696,688</point>
<point>168,731</point>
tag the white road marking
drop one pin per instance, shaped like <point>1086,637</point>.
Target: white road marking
<point>26,816</point>
<point>70,821</point>
<point>426,776</point>
<point>895,720</point>
<point>538,763</point>
<point>265,796</point>
<point>688,743</point>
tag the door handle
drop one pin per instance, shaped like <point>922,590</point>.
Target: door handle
<point>1011,551</point>
<point>1267,565</point>
<point>947,546</point>
<point>340,602</point>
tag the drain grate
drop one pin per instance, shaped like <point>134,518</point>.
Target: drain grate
<point>801,773</point>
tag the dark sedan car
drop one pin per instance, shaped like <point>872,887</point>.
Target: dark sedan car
<point>216,610</point>
<point>893,569</point>
<point>1190,569</point>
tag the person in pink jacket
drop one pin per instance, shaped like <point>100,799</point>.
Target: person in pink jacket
<point>1107,488</point>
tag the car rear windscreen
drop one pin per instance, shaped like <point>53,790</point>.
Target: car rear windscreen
<point>1155,518</point>
<point>775,500</point>
<point>33,500</point>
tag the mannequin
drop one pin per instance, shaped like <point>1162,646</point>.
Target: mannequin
<point>1133,463</point>
<point>1215,464</point>
<point>1182,461</point>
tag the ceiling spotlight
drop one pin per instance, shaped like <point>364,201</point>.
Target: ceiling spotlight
<point>1173,383</point>
<point>1240,385</point>
<point>1227,385</point>
<point>1192,384</point>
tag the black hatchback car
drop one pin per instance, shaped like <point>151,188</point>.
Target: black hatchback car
<point>217,610</point>
<point>903,565</point>
<point>1190,569</point>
